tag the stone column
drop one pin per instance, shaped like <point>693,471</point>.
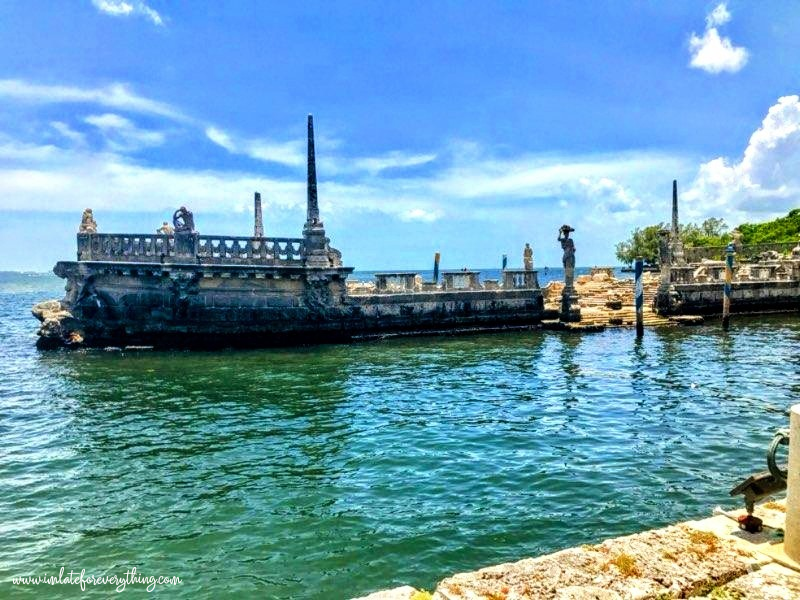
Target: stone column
<point>792,534</point>
<point>676,246</point>
<point>312,212</point>
<point>258,227</point>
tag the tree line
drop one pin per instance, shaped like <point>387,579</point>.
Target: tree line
<point>643,241</point>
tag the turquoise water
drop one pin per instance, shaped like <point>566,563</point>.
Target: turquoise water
<point>333,471</point>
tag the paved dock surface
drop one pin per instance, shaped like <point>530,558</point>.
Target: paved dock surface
<point>709,559</point>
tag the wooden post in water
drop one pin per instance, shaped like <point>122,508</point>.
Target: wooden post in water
<point>436,258</point>
<point>638,293</point>
<point>726,290</point>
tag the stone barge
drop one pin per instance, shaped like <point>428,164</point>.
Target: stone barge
<point>178,288</point>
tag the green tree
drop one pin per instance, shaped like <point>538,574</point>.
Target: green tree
<point>643,242</point>
<point>783,229</point>
<point>711,232</point>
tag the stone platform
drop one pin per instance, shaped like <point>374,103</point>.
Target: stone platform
<point>707,559</point>
<point>609,302</point>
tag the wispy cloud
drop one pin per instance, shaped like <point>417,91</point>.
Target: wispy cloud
<point>290,153</point>
<point>128,8</point>
<point>118,96</point>
<point>392,160</point>
<point>122,134</point>
<point>712,52</point>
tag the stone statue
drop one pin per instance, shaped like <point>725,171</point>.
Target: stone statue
<point>165,228</point>
<point>568,246</point>
<point>88,224</point>
<point>570,308</point>
<point>527,257</point>
<point>183,220</point>
<point>737,241</point>
<point>796,251</point>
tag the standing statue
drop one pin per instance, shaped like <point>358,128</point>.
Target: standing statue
<point>737,241</point>
<point>527,257</point>
<point>568,246</point>
<point>570,309</point>
<point>88,224</point>
<point>183,220</point>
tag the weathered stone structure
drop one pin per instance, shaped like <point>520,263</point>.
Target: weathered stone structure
<point>766,277</point>
<point>188,289</point>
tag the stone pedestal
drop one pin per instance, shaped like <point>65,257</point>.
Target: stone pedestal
<point>316,246</point>
<point>186,244</point>
<point>570,309</point>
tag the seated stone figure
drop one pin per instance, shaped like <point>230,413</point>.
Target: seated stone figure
<point>183,220</point>
<point>88,224</point>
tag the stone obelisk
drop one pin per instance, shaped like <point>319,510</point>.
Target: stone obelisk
<point>676,246</point>
<point>316,244</point>
<point>258,227</point>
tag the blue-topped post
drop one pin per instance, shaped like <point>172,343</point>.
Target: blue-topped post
<point>436,258</point>
<point>638,288</point>
<point>726,290</point>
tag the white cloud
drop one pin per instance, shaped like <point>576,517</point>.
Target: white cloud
<point>116,95</point>
<point>68,132</point>
<point>713,53</point>
<point>463,180</point>
<point>420,214</point>
<point>127,8</point>
<point>392,160</point>
<point>609,195</point>
<point>546,176</point>
<point>764,182</point>
<point>122,135</point>
<point>718,16</point>
<point>287,153</point>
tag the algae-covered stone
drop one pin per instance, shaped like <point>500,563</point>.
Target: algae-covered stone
<point>673,562</point>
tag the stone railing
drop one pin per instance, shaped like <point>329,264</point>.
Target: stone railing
<point>783,270</point>
<point>748,253</point>
<point>520,279</point>
<point>194,248</point>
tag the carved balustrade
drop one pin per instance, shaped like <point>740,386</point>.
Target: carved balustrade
<point>191,247</point>
<point>714,272</point>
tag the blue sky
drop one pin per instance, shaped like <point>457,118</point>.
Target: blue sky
<point>462,127</point>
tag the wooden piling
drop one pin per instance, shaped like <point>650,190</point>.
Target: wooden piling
<point>726,290</point>
<point>638,268</point>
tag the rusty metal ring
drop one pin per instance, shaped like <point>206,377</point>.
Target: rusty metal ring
<point>781,438</point>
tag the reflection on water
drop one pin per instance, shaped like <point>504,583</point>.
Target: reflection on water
<point>332,471</point>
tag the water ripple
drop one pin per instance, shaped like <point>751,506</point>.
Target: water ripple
<point>332,471</point>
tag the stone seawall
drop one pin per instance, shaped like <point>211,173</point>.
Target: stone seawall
<point>115,303</point>
<point>746,297</point>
